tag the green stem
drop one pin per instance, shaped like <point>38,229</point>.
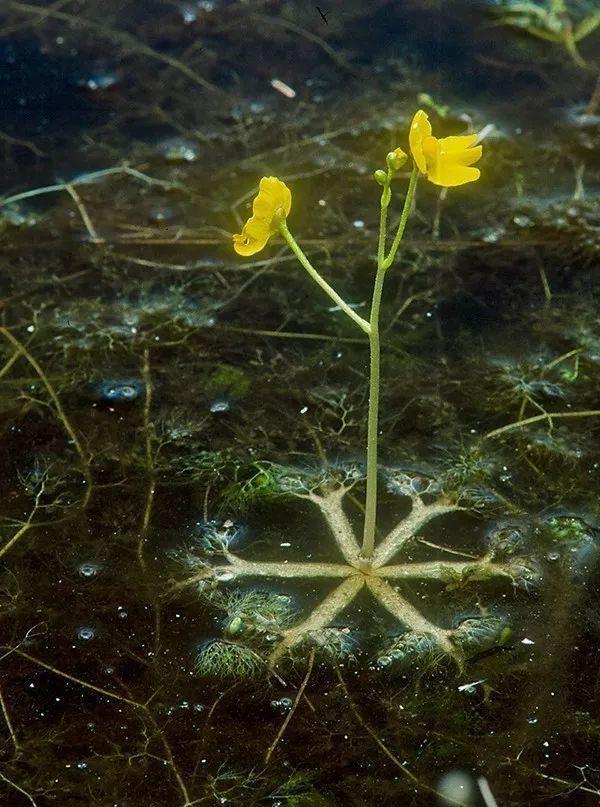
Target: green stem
<point>403,218</point>
<point>373,421</point>
<point>320,281</point>
<point>383,265</point>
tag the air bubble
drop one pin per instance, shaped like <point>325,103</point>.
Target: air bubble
<point>220,405</point>
<point>86,633</point>
<point>89,569</point>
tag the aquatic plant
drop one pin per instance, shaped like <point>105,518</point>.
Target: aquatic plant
<point>565,530</point>
<point>232,660</point>
<point>446,162</point>
<point>550,21</point>
<point>257,614</point>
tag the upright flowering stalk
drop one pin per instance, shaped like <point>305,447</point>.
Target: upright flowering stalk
<point>446,162</point>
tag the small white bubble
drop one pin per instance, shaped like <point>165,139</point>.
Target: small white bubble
<point>219,406</point>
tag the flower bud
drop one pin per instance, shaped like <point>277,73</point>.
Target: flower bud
<point>396,159</point>
<point>380,176</point>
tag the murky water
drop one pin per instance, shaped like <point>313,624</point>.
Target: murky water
<point>183,430</point>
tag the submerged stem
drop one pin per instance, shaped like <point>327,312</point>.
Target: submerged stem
<point>373,420</point>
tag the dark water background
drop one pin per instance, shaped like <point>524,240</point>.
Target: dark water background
<point>152,376</point>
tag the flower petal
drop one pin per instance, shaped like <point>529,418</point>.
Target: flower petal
<point>448,160</point>
<point>253,237</point>
<point>273,195</point>
<point>456,143</point>
<point>449,175</point>
<point>420,128</point>
<point>459,150</point>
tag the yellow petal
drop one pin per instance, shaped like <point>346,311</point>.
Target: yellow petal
<point>273,195</point>
<point>456,143</point>
<point>253,237</point>
<point>460,150</point>
<point>245,245</point>
<point>448,160</point>
<point>420,128</point>
<point>451,175</point>
<point>470,156</point>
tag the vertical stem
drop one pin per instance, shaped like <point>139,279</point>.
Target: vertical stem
<point>373,422</point>
<point>404,217</point>
<point>383,264</point>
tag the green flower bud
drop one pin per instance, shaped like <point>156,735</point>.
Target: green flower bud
<point>380,176</point>
<point>396,159</point>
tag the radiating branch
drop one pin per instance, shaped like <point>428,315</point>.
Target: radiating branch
<point>320,617</point>
<point>420,515</point>
<point>332,509</point>
<point>408,615</point>
<point>442,570</point>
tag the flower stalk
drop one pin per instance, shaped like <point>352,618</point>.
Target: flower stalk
<point>319,280</point>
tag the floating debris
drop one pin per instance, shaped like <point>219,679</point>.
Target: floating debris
<point>283,88</point>
<point>470,688</point>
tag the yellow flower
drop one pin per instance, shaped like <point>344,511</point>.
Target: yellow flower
<point>444,161</point>
<point>273,196</point>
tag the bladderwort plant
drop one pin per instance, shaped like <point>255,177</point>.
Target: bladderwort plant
<point>446,162</point>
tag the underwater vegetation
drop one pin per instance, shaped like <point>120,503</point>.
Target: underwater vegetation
<point>191,609</point>
<point>263,620</point>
